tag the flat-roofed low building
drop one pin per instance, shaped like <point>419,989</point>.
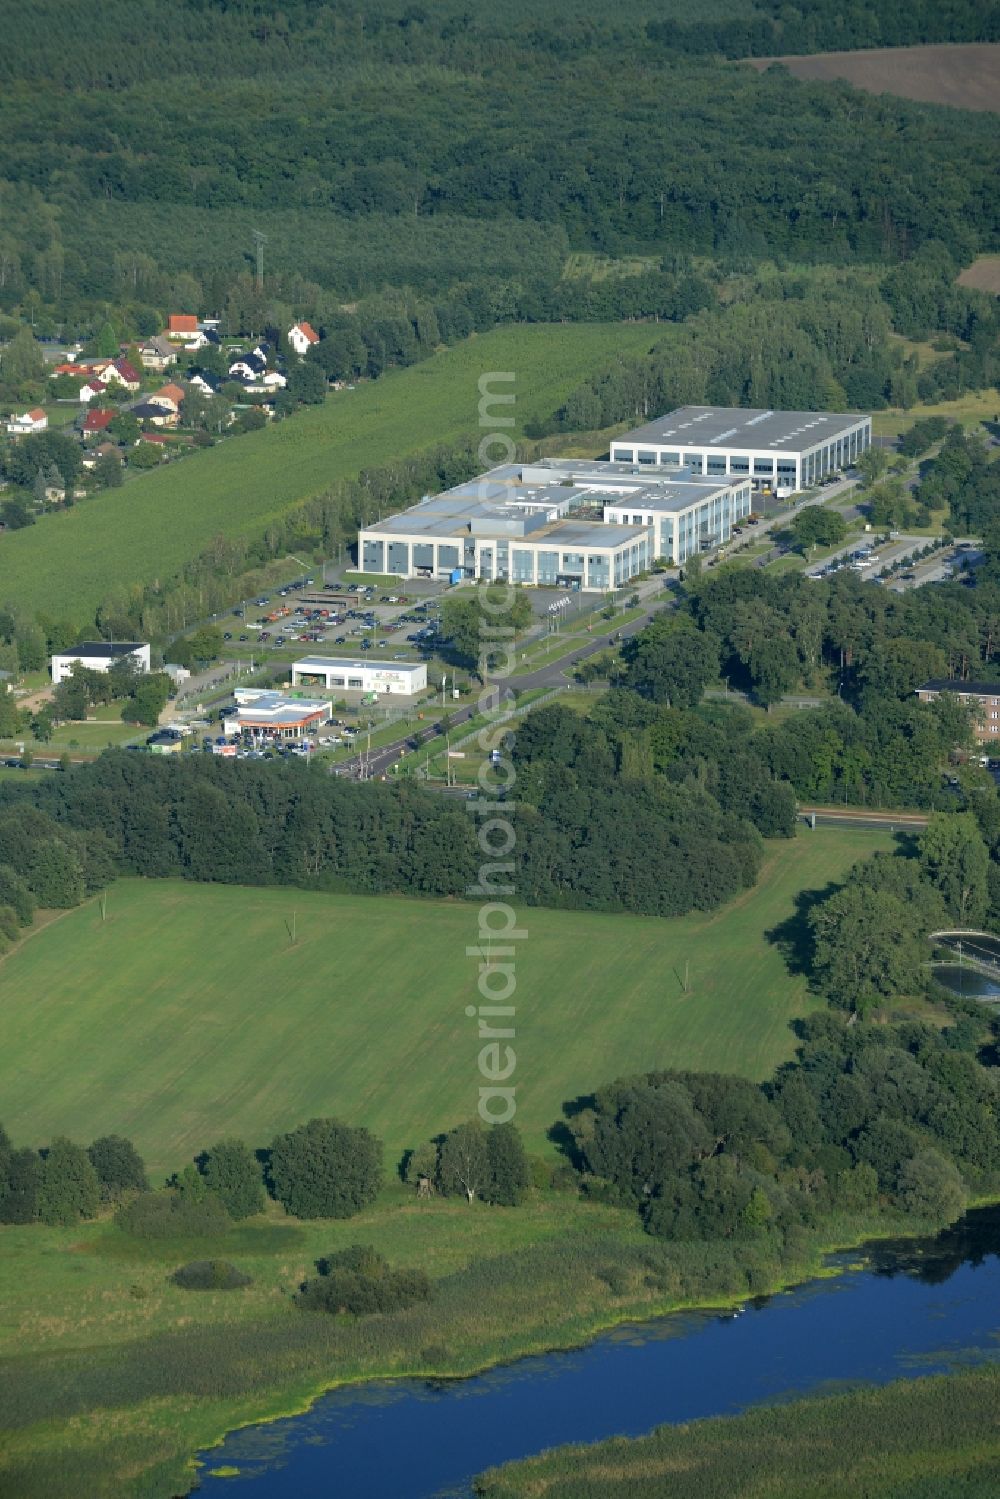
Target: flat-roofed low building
<point>784,451</point>
<point>337,674</point>
<point>100,655</point>
<point>274,715</point>
<point>983,696</point>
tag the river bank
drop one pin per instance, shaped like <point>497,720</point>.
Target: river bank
<point>94,1324</point>
<point>870,1325</point>
<point>814,1267</point>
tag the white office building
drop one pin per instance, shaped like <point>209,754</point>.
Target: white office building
<point>784,451</point>
<point>398,678</point>
<point>100,655</point>
<point>559,523</point>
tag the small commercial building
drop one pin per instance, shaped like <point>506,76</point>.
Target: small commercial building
<point>99,655</point>
<point>165,742</point>
<point>274,715</point>
<point>398,678</point>
<point>784,451</point>
<point>983,696</point>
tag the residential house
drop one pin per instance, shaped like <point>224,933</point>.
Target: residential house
<point>206,382</point>
<point>301,338</point>
<point>93,387</point>
<point>182,325</point>
<point>103,450</point>
<point>97,420</point>
<point>169,395</point>
<point>158,439</point>
<point>155,413</point>
<point>157,354</point>
<point>123,373</point>
<point>34,420</point>
<point>248,367</point>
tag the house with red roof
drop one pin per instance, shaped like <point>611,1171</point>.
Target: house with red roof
<point>34,420</point>
<point>93,387</point>
<point>181,325</point>
<point>97,420</point>
<point>124,373</point>
<point>169,395</point>
<point>301,337</point>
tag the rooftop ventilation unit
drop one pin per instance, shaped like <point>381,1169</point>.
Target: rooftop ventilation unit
<point>761,418</point>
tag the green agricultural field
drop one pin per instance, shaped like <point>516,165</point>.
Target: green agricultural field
<point>188,1014</point>
<point>152,525</point>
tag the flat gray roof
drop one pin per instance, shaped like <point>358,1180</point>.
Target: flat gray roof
<point>741,427</point>
<point>340,663</point>
<point>669,497</point>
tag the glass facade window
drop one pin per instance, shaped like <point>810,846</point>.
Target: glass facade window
<point>716,465</point>
<point>739,465</point>
<point>548,567</point>
<point>355,682</point>
<point>423,554</point>
<point>523,566</point>
<point>572,562</point>
<point>486,562</point>
<point>447,556</point>
<point>674,458</point>
<point>598,571</point>
<point>624,455</point>
<point>398,557</point>
<point>646,455</point>
<point>373,557</point>
<point>764,467</point>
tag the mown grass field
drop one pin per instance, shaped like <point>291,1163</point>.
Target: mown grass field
<point>965,75</point>
<point>150,527</point>
<point>187,1014</point>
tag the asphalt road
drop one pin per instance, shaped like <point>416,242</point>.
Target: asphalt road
<point>554,675</point>
<point>889,822</point>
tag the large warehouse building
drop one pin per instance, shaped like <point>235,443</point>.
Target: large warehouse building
<point>560,522</point>
<point>784,451</point>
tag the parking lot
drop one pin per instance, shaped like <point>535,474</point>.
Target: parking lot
<point>344,618</point>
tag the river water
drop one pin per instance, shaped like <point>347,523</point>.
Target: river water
<point>918,1307</point>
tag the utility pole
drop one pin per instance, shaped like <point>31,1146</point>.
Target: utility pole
<point>260,240</point>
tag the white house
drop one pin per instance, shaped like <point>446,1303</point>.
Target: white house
<point>94,387</point>
<point>248,367</point>
<point>99,655</point>
<point>301,337</point>
<point>34,420</point>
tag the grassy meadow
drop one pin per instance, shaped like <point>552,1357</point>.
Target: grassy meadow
<point>187,1014</point>
<point>150,528</point>
<point>915,1439</point>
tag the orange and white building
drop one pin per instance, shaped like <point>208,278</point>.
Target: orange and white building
<point>274,715</point>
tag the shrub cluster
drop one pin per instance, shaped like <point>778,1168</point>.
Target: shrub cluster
<point>360,1281</point>
<point>210,1275</point>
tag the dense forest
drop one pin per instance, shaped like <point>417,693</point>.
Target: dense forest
<point>127,182</point>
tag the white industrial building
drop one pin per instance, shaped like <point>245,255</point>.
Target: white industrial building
<point>99,655</point>
<point>784,451</point>
<point>400,678</point>
<point>558,522</point>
